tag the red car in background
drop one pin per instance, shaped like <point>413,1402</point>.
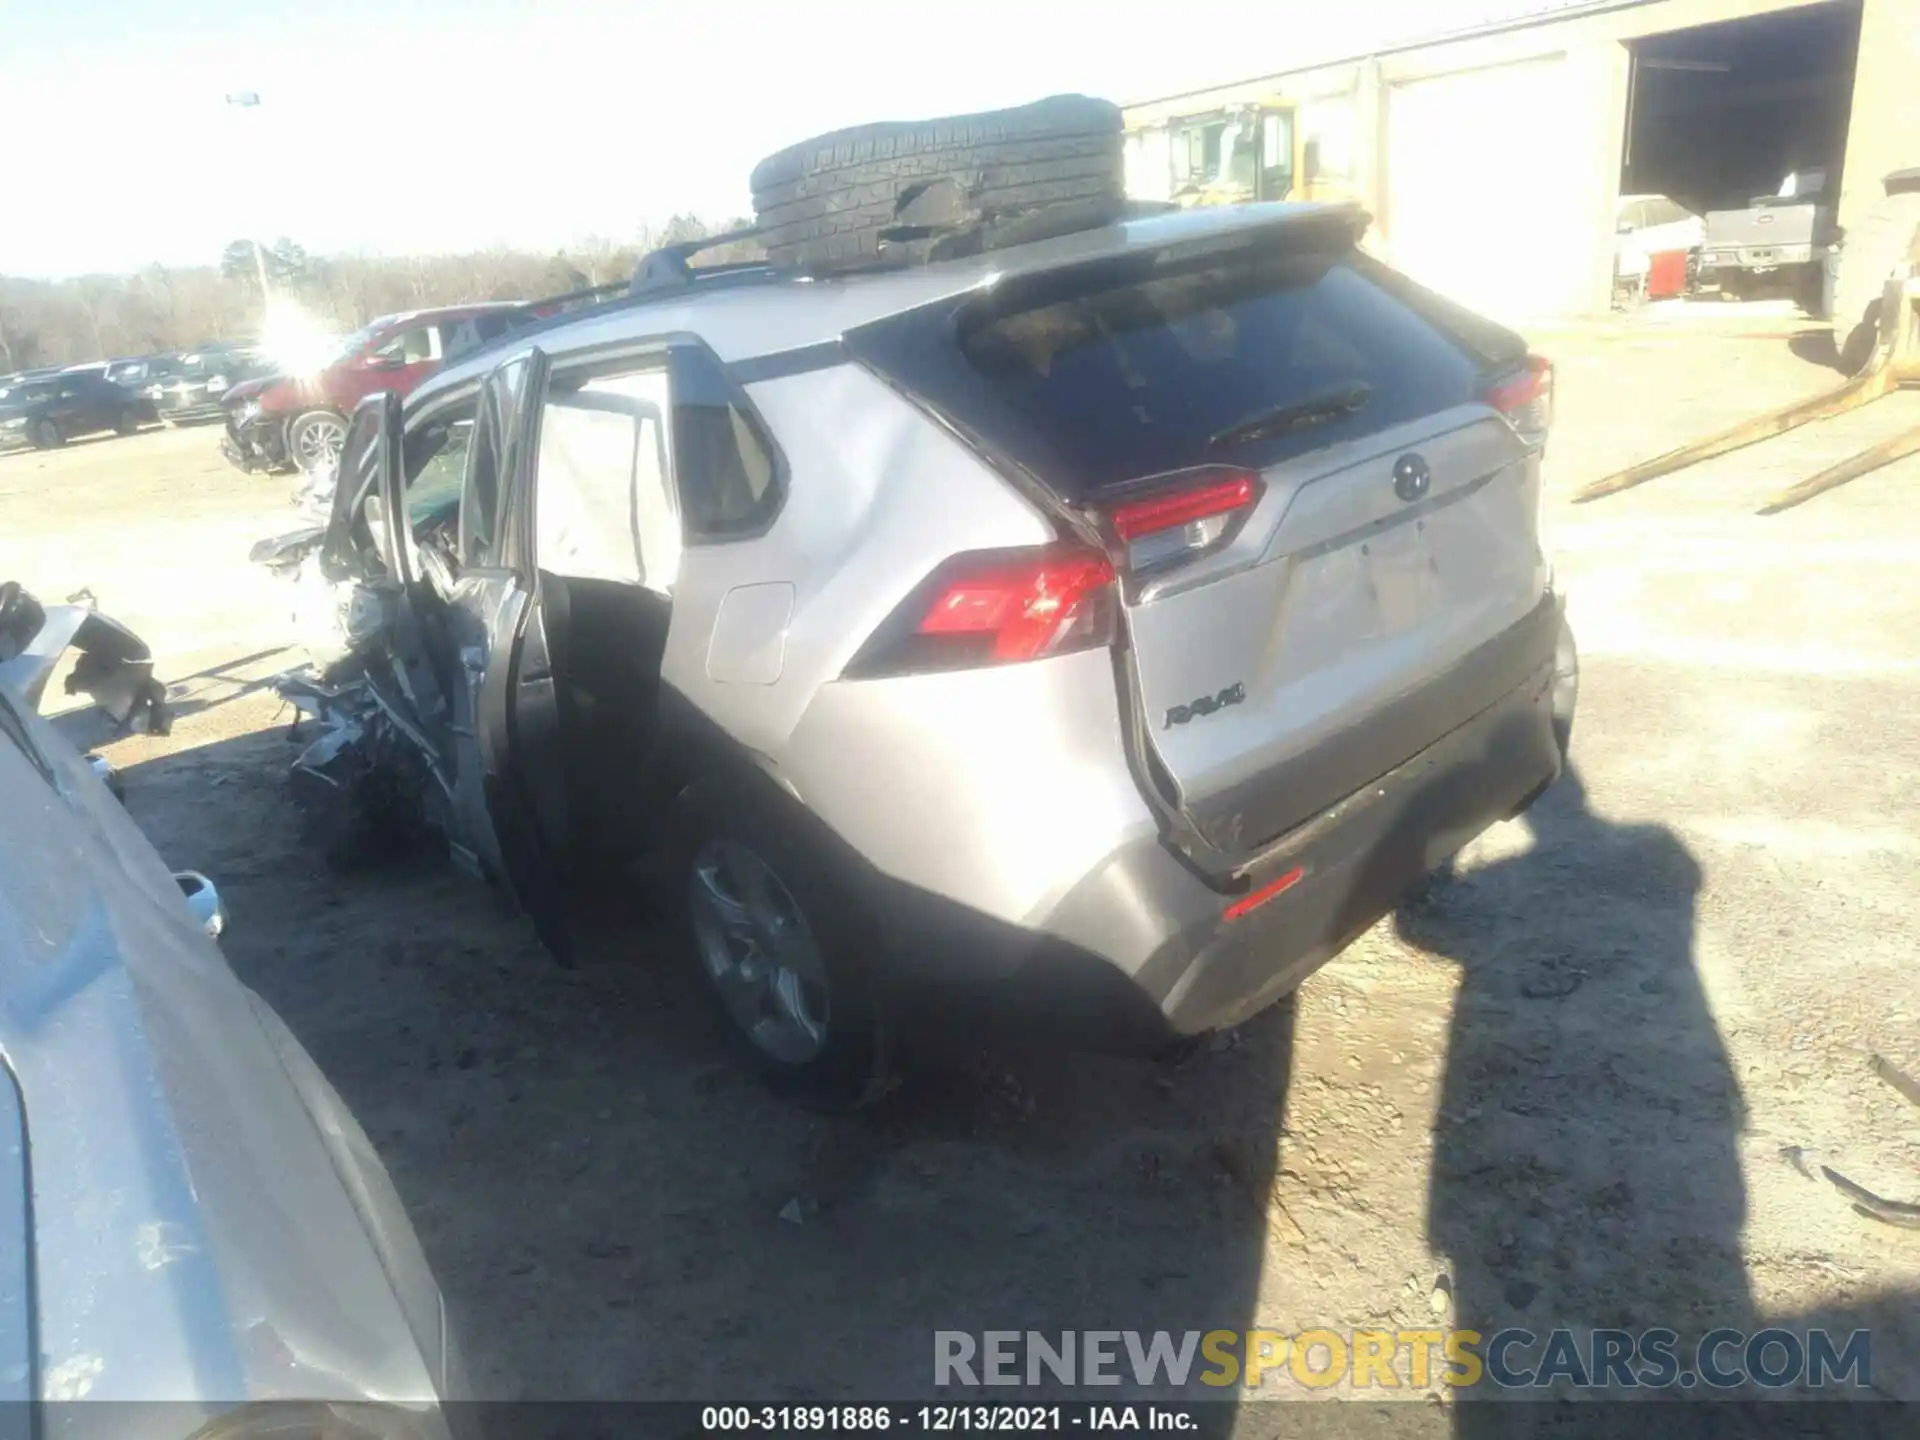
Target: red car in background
<point>282,422</point>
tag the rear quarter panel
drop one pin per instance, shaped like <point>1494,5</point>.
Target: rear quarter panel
<point>877,496</point>
<point>996,787</point>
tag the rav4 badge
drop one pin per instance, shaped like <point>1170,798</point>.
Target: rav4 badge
<point>1207,704</point>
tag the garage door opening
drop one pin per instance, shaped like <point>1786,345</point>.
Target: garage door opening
<point>1721,115</point>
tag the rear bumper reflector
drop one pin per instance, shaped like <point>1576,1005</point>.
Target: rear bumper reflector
<point>1255,899</point>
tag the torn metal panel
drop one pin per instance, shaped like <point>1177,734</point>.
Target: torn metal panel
<point>114,668</point>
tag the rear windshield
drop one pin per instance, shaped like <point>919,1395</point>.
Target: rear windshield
<point>1244,359</point>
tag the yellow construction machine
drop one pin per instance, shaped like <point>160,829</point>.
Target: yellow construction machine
<point>1232,154</point>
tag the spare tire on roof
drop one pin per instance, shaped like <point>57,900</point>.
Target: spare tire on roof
<point>895,190</point>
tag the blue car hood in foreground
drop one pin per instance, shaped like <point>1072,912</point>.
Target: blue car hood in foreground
<point>203,1220</point>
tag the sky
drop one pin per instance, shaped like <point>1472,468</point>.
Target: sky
<point>423,126</point>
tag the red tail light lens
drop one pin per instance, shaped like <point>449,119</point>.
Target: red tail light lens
<point>1180,516</point>
<point>1526,396</point>
<point>996,607</point>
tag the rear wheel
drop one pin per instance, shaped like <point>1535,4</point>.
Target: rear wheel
<point>46,435</point>
<point>127,422</point>
<point>314,439</point>
<point>844,199</point>
<point>777,940</point>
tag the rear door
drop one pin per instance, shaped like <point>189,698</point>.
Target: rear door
<point>74,408</point>
<point>510,799</point>
<point>1326,532</point>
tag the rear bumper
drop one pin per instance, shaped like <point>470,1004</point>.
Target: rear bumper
<point>1142,953</point>
<point>1756,257</point>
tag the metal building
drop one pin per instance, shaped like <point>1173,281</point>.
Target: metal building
<point>1493,159</point>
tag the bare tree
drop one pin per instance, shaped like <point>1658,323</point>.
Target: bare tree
<point>161,309</point>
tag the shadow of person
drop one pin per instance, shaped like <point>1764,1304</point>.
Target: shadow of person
<point>1585,1168</point>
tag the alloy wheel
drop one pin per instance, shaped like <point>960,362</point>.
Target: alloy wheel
<point>759,952</point>
<point>316,443</point>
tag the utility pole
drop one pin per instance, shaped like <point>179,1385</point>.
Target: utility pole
<point>250,100</point>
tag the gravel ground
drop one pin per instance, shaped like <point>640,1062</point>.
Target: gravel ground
<point>1586,1084</point>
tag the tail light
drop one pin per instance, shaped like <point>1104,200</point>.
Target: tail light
<point>1526,396</point>
<point>999,607</point>
<point>1178,517</point>
<point>996,607</point>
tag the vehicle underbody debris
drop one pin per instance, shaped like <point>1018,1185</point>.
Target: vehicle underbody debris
<point>1896,364</point>
<point>363,782</point>
<point>114,668</point>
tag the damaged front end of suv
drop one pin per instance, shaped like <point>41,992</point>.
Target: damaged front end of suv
<point>367,781</point>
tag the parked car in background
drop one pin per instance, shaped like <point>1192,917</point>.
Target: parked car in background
<point>188,1211</point>
<point>50,412</point>
<point>192,392</point>
<point>1648,225</point>
<point>297,422</point>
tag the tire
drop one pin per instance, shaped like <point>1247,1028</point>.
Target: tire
<point>307,446</point>
<point>834,202</point>
<point>848,1065</point>
<point>126,423</point>
<point>46,435</point>
<point>1883,238</point>
<point>1566,688</point>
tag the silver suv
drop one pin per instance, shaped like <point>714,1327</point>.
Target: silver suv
<point>1095,634</point>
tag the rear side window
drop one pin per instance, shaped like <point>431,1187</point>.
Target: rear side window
<point>1093,381</point>
<point>726,471</point>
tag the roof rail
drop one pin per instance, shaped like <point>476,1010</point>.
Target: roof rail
<point>549,303</point>
<point>666,268</point>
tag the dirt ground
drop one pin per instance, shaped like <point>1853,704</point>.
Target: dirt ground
<point>1590,1083</point>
